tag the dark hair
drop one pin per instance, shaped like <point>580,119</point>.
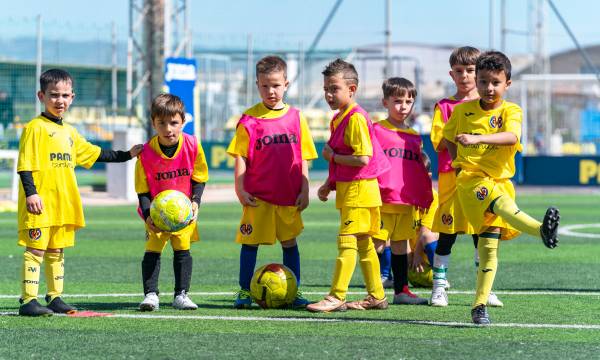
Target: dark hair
<point>398,86</point>
<point>270,64</point>
<point>339,66</point>
<point>466,55</point>
<point>54,76</point>
<point>167,106</point>
<point>426,161</point>
<point>494,61</point>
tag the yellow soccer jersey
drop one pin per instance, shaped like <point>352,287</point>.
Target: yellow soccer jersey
<point>240,142</point>
<point>200,173</point>
<point>51,152</point>
<point>497,161</point>
<point>437,126</point>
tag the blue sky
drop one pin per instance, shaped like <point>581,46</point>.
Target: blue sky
<point>286,23</point>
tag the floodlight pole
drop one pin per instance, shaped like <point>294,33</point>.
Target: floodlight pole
<point>388,39</point>
<point>38,64</point>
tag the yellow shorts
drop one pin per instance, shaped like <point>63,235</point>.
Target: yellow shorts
<point>476,191</point>
<point>450,219</point>
<point>264,224</point>
<point>54,237</point>
<point>359,220</point>
<point>397,226</point>
<point>425,218</point>
<point>446,185</point>
<point>180,240</point>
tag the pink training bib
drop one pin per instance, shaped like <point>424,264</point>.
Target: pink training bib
<point>274,170</point>
<point>446,107</point>
<point>407,182</point>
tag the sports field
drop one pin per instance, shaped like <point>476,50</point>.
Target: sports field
<point>551,297</point>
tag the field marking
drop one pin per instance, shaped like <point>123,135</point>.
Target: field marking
<point>567,230</point>
<point>323,293</point>
<point>342,320</point>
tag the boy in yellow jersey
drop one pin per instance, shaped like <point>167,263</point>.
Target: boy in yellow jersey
<point>272,146</point>
<point>483,137</point>
<point>171,160</point>
<point>449,219</point>
<point>355,161</point>
<point>50,209</point>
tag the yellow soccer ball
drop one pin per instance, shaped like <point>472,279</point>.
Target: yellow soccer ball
<point>273,286</point>
<point>421,279</point>
<point>171,210</point>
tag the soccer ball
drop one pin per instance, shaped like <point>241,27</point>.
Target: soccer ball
<point>421,279</point>
<point>273,286</point>
<point>171,210</point>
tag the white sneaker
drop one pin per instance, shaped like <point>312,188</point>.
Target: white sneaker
<point>447,286</point>
<point>494,301</point>
<point>150,302</point>
<point>387,282</point>
<point>183,302</point>
<point>439,297</point>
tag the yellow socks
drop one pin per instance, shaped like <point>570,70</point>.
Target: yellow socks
<point>55,271</point>
<point>488,264</point>
<point>506,208</point>
<point>30,276</point>
<point>344,266</point>
<point>369,264</point>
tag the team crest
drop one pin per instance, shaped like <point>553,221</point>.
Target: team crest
<point>35,234</point>
<point>496,122</point>
<point>482,193</point>
<point>447,219</point>
<point>246,229</point>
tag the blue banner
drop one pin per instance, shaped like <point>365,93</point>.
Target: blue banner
<point>180,80</point>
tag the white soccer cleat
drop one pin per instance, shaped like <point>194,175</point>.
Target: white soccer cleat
<point>439,298</point>
<point>447,285</point>
<point>150,303</point>
<point>494,301</point>
<point>183,302</point>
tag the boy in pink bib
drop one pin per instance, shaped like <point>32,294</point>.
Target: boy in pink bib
<point>272,146</point>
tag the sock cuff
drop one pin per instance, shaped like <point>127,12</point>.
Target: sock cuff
<point>248,248</point>
<point>32,257</point>
<point>347,242</point>
<point>291,249</point>
<point>54,257</point>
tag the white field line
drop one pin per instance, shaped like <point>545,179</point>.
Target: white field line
<point>342,320</point>
<point>322,293</point>
<point>569,230</point>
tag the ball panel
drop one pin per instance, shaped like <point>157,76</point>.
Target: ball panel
<point>273,286</point>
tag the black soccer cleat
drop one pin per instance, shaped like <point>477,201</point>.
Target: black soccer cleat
<point>549,228</point>
<point>59,306</point>
<point>34,308</point>
<point>480,316</point>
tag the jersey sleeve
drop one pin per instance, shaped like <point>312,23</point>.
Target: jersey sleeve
<point>437,127</point>
<point>357,136</point>
<point>141,182</point>
<point>450,130</point>
<point>86,153</point>
<point>513,120</point>
<point>240,142</point>
<point>28,151</point>
<point>309,152</point>
<point>200,173</point>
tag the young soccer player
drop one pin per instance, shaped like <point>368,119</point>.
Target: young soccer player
<point>180,156</point>
<point>405,188</point>
<point>50,209</point>
<point>483,137</point>
<point>449,219</point>
<point>355,161</point>
<point>271,146</point>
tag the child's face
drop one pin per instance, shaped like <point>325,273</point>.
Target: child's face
<point>57,98</point>
<point>338,93</point>
<point>168,129</point>
<point>399,107</point>
<point>491,86</point>
<point>463,77</point>
<point>272,87</point>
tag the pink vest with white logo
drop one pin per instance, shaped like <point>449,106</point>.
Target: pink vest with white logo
<point>377,165</point>
<point>407,182</point>
<point>274,171</point>
<point>170,174</point>
<point>446,107</point>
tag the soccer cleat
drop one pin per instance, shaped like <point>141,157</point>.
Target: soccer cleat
<point>329,304</point>
<point>59,306</point>
<point>387,282</point>
<point>447,286</point>
<point>493,301</point>
<point>408,298</point>
<point>368,303</point>
<point>549,228</point>
<point>300,301</point>
<point>243,300</point>
<point>439,297</point>
<point>480,316</point>
<point>183,302</point>
<point>150,303</point>
<point>34,308</point>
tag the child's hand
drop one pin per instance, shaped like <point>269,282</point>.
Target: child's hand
<point>136,150</point>
<point>194,212</point>
<point>151,225</point>
<point>323,192</point>
<point>327,152</point>
<point>417,263</point>
<point>246,198</point>
<point>467,139</point>
<point>34,204</point>
<point>302,200</point>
